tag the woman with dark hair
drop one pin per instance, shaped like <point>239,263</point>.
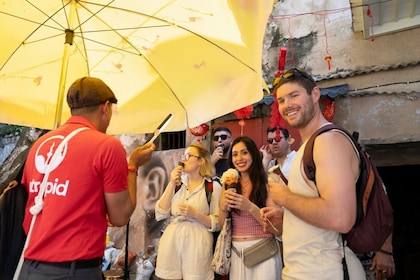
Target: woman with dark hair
<point>244,206</point>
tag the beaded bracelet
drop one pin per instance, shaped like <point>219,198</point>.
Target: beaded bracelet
<point>385,252</point>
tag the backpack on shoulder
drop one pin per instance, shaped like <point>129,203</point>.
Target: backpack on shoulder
<point>374,220</point>
<point>208,187</point>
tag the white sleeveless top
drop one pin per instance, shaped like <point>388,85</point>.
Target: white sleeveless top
<point>311,252</point>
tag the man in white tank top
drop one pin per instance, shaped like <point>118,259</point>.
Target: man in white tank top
<point>314,216</point>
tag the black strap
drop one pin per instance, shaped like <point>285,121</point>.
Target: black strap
<point>283,177</point>
<point>345,268</point>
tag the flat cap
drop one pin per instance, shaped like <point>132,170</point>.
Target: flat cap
<point>89,91</point>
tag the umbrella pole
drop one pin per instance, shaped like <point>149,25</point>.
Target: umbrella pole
<point>126,271</point>
<point>64,65</point>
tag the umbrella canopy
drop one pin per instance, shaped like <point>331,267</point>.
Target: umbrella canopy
<point>194,59</point>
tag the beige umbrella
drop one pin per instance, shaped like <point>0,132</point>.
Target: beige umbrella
<point>194,59</point>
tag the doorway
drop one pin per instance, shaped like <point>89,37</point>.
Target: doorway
<point>403,185</point>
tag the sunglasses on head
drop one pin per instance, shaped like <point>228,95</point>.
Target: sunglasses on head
<point>277,139</point>
<point>296,73</point>
<point>224,137</point>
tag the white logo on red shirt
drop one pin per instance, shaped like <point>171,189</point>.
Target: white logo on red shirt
<point>45,152</point>
<point>43,156</point>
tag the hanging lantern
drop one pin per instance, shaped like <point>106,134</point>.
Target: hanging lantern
<point>200,130</point>
<point>369,14</point>
<point>329,109</point>
<point>242,124</point>
<point>276,119</point>
<point>328,60</point>
<point>280,69</point>
<point>243,113</point>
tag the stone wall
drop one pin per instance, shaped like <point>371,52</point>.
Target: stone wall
<point>7,144</point>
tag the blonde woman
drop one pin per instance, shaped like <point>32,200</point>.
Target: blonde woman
<point>191,202</point>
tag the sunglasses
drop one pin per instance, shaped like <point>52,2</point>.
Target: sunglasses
<point>296,73</point>
<point>187,157</point>
<point>277,139</point>
<point>223,136</point>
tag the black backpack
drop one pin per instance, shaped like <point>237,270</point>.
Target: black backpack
<point>374,220</point>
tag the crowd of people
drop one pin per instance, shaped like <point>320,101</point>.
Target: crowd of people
<point>69,209</point>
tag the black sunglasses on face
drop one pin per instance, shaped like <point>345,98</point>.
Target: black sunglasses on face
<point>295,72</point>
<point>224,137</point>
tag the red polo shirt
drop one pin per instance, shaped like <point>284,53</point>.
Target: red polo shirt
<point>72,224</point>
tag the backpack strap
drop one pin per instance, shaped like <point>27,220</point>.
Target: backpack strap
<point>366,176</point>
<point>308,159</point>
<point>208,188</point>
<point>178,187</point>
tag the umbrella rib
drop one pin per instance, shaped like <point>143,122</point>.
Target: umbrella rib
<point>170,24</point>
<point>139,52</point>
<point>128,42</point>
<point>25,41</point>
<point>49,17</point>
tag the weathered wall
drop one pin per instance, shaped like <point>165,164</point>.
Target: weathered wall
<point>382,74</point>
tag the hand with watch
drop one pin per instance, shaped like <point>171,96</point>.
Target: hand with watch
<point>383,262</point>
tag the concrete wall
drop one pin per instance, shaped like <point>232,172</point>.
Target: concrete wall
<point>383,74</point>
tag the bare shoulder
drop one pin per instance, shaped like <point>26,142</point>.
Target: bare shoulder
<point>335,156</point>
<point>333,142</point>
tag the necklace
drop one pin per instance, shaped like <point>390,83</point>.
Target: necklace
<point>246,186</point>
<point>245,183</point>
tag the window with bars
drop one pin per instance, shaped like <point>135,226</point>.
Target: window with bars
<point>171,140</point>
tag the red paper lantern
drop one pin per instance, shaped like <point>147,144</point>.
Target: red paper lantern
<point>244,112</point>
<point>328,60</point>
<point>200,130</point>
<point>329,109</point>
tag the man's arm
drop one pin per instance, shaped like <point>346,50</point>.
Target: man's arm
<point>121,205</point>
<point>337,169</point>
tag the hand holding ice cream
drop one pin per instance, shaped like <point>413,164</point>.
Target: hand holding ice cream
<point>230,179</point>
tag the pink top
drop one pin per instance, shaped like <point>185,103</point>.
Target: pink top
<point>244,225</point>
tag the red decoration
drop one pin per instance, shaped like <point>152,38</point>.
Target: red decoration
<point>369,14</point>
<point>276,119</point>
<point>242,124</point>
<point>200,130</point>
<point>244,112</point>
<point>282,63</point>
<point>282,59</point>
<point>328,59</point>
<point>329,109</point>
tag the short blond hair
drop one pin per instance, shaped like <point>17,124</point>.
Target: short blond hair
<point>207,169</point>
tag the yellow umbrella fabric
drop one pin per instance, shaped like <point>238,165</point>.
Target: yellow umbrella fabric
<point>194,59</point>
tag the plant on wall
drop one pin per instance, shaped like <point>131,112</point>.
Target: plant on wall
<point>8,129</point>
